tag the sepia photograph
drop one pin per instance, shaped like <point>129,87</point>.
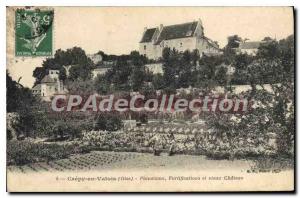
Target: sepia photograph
<point>150,99</point>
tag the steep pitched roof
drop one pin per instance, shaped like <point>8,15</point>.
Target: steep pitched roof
<point>47,79</point>
<point>37,87</point>
<point>148,35</point>
<point>177,31</point>
<point>211,42</point>
<point>250,45</point>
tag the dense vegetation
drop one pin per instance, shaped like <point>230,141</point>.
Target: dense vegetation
<point>273,114</point>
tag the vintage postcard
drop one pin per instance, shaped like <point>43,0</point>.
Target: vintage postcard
<point>150,99</point>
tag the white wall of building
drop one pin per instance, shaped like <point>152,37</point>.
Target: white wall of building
<point>155,68</point>
<point>98,71</point>
<point>249,51</point>
<point>181,44</point>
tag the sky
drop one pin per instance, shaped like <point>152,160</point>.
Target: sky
<point>118,30</point>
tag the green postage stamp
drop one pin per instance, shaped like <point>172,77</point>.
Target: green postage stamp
<point>34,36</point>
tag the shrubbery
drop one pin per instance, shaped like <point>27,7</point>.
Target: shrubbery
<point>107,122</point>
<point>24,152</point>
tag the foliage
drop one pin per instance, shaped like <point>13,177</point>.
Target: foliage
<point>136,79</point>
<point>101,85</point>
<point>24,152</point>
<point>232,44</point>
<point>179,69</point>
<point>18,97</point>
<point>80,87</point>
<point>128,73</point>
<point>63,130</point>
<point>221,77</point>
<point>273,109</point>
<point>107,122</point>
<point>21,101</point>
<point>158,81</point>
<point>80,72</point>
<point>81,65</point>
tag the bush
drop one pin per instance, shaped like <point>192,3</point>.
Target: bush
<point>24,152</point>
<point>107,122</point>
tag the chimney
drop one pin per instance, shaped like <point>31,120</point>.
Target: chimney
<point>200,21</point>
<point>161,27</point>
<point>200,31</point>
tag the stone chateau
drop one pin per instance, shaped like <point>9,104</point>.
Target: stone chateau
<point>185,36</point>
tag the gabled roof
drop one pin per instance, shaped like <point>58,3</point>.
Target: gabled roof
<point>37,87</point>
<point>177,31</point>
<point>250,45</point>
<point>48,79</point>
<point>148,35</point>
<point>211,42</point>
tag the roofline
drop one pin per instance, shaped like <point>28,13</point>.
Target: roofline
<point>208,39</point>
<point>152,35</point>
<point>196,28</point>
<point>181,24</point>
<point>160,31</point>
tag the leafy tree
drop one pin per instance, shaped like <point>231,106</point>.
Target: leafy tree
<point>267,39</point>
<point>185,69</point>
<point>80,86</point>
<point>233,41</point>
<point>21,101</point>
<point>158,81</point>
<point>273,112</point>
<point>208,66</point>
<point>268,50</point>
<point>137,78</point>
<point>138,72</point>
<point>80,72</point>
<point>287,53</point>
<point>221,76</point>
<point>241,62</point>
<point>101,85</point>
<point>13,94</point>
<point>195,56</point>
<point>74,56</point>
<point>137,59</point>
<point>107,122</point>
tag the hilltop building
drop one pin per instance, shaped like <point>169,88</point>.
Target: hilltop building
<point>50,85</point>
<point>186,36</point>
<point>250,47</point>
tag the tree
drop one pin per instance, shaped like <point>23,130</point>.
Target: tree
<point>233,41</point>
<point>21,101</point>
<point>107,122</point>
<point>268,50</point>
<point>273,109</point>
<point>277,107</point>
<point>80,72</point>
<point>74,56</point>
<point>195,56</point>
<point>137,78</point>
<point>287,51</point>
<point>241,62</point>
<point>221,76</point>
<point>101,85</point>
<point>232,44</point>
<point>80,87</point>
<point>137,59</point>
<point>184,69</point>
<point>267,39</point>
<point>158,81</point>
<point>208,66</point>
